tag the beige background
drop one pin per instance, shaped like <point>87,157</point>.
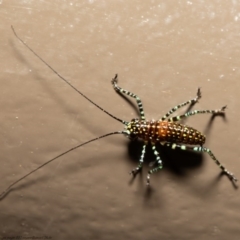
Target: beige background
<point>163,51</point>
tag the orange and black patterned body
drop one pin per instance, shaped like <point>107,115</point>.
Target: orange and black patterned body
<point>164,131</point>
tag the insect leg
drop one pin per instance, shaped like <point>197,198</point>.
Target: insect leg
<point>203,149</point>
<point>192,101</point>
<point>138,100</point>
<point>158,162</point>
<point>188,114</point>
<point>139,167</point>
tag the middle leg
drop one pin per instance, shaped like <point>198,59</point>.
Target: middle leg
<point>192,101</point>
<point>158,162</point>
<point>188,114</point>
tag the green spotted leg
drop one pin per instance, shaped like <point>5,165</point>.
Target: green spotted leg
<point>188,114</point>
<point>158,162</point>
<point>141,160</point>
<point>192,101</point>
<point>203,149</point>
<point>138,100</point>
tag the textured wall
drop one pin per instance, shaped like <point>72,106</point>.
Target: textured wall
<point>163,51</point>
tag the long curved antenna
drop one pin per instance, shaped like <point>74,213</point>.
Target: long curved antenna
<point>65,80</point>
<point>58,156</point>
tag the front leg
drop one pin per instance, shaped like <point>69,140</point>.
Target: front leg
<point>141,160</point>
<point>121,90</point>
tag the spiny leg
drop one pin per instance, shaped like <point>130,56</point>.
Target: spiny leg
<point>207,150</point>
<point>158,162</point>
<point>192,101</point>
<point>188,114</point>
<point>138,100</point>
<point>139,167</point>
<point>203,149</point>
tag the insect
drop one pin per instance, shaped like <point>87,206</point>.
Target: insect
<point>165,131</point>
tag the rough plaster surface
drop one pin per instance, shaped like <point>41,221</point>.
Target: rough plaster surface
<point>163,51</point>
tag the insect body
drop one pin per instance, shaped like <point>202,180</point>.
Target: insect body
<point>165,131</point>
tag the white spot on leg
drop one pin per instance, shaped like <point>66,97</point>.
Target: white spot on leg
<point>183,147</point>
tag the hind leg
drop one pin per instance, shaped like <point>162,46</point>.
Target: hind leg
<point>208,151</point>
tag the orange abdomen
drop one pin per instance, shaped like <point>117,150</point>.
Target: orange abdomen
<point>164,131</point>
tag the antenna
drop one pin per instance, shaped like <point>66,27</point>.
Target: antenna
<point>71,149</point>
<point>53,159</point>
<point>65,80</point>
